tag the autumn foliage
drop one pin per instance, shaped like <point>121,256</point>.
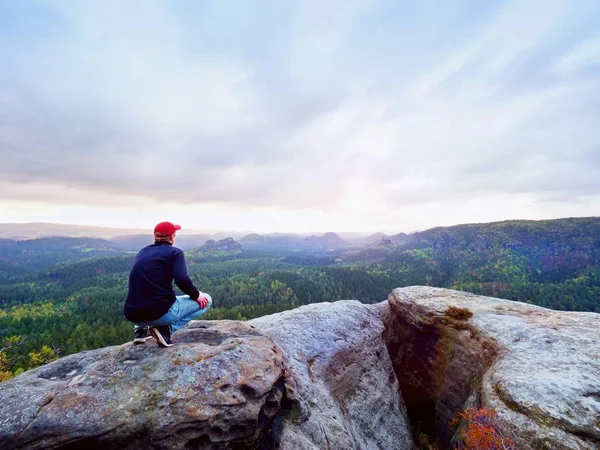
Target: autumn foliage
<point>480,431</point>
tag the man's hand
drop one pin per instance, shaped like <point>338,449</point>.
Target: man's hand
<point>202,301</point>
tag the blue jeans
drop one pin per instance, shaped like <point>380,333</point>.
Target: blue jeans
<point>181,312</point>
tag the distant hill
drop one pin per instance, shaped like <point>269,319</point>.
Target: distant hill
<point>34,230</point>
<point>276,242</point>
<point>366,241</point>
<point>400,238</point>
<point>377,249</point>
<point>227,245</point>
<point>135,242</point>
<point>224,247</point>
<point>293,242</point>
<point>39,253</point>
<point>572,243</point>
<point>328,241</point>
<point>552,236</point>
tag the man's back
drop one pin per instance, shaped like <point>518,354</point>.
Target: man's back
<point>151,282</point>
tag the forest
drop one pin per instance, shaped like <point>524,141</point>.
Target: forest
<point>66,295</point>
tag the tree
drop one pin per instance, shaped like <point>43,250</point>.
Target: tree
<point>5,360</point>
<point>44,356</point>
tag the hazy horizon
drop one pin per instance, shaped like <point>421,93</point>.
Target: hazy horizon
<point>119,231</point>
<point>299,117</point>
<point>109,232</point>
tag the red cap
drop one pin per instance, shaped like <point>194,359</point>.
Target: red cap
<point>166,228</point>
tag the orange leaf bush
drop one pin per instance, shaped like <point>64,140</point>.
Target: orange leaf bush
<point>480,431</point>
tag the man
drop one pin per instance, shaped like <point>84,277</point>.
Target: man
<point>151,303</point>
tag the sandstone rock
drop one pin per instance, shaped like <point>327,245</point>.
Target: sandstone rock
<point>347,396</point>
<point>220,386</point>
<point>538,368</point>
<point>322,377</point>
<point>224,385</point>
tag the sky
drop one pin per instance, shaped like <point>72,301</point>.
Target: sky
<point>268,116</point>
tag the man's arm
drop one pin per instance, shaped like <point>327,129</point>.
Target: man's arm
<point>181,277</point>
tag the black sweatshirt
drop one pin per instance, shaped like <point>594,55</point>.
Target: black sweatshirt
<point>151,279</point>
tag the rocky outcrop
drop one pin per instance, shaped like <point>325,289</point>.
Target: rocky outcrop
<point>317,377</point>
<point>221,386</point>
<point>325,376</point>
<point>348,394</point>
<point>224,245</point>
<point>538,368</point>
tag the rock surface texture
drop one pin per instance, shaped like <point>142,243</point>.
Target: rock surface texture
<point>348,395</point>
<point>538,368</point>
<point>220,386</point>
<point>337,375</point>
<point>224,385</point>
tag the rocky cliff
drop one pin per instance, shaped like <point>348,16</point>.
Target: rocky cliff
<point>538,369</point>
<point>325,376</point>
<point>224,245</point>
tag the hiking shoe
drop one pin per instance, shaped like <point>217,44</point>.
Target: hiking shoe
<point>141,335</point>
<point>162,335</point>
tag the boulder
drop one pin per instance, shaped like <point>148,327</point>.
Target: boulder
<point>219,387</point>
<point>344,383</point>
<point>538,368</point>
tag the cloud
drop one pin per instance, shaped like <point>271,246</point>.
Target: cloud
<point>354,104</point>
